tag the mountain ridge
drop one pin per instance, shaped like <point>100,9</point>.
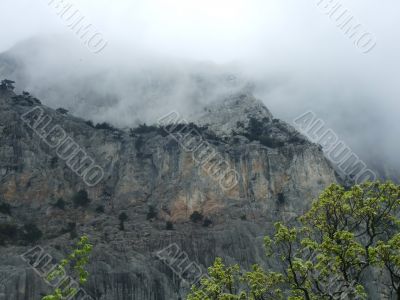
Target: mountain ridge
<point>152,179</point>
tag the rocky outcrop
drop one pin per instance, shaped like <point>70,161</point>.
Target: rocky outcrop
<point>149,176</point>
<point>233,114</point>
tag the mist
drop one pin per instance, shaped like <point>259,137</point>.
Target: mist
<point>181,55</point>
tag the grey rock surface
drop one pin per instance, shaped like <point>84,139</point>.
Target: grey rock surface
<point>223,116</point>
<point>150,169</point>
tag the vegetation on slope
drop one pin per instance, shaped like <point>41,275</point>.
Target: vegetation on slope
<point>344,238</point>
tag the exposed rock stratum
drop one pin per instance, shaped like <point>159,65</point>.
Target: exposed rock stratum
<point>151,178</point>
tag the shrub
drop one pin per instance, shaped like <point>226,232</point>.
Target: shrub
<point>37,101</point>
<point>152,213</point>
<point>81,198</point>
<point>53,162</point>
<point>70,226</point>
<point>71,229</point>
<point>297,140</point>
<point>207,222</point>
<point>90,123</point>
<point>60,203</point>
<point>8,231</point>
<point>196,217</point>
<point>239,124</point>
<point>122,218</point>
<point>143,128</point>
<point>243,217</point>
<point>5,208</point>
<point>281,198</point>
<point>256,131</point>
<point>62,111</point>
<point>270,142</point>
<point>192,129</point>
<point>105,126</point>
<point>7,84</point>
<point>169,225</point>
<point>31,233</point>
<point>100,209</point>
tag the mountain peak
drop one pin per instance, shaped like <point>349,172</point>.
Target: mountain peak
<point>233,113</point>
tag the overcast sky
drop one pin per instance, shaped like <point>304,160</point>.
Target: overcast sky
<point>298,57</point>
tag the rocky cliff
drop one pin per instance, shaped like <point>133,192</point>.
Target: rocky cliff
<point>157,183</point>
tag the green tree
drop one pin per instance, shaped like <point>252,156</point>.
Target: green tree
<point>388,257</point>
<point>328,253</point>
<point>76,261</point>
<point>222,284</point>
<point>228,283</point>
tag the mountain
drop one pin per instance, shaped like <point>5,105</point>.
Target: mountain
<point>114,90</point>
<point>65,76</point>
<point>169,194</point>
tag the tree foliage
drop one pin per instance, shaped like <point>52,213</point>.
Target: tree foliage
<point>60,203</point>
<point>152,212</point>
<point>31,233</point>
<point>330,253</point>
<point>76,261</point>
<point>196,217</point>
<point>228,283</point>
<point>257,130</point>
<point>104,125</point>
<point>5,208</point>
<point>62,111</point>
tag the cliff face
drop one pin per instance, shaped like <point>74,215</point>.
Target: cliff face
<point>153,179</point>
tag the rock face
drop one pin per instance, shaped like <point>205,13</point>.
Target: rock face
<point>233,114</point>
<point>149,176</point>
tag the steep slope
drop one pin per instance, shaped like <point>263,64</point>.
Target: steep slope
<point>149,176</point>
